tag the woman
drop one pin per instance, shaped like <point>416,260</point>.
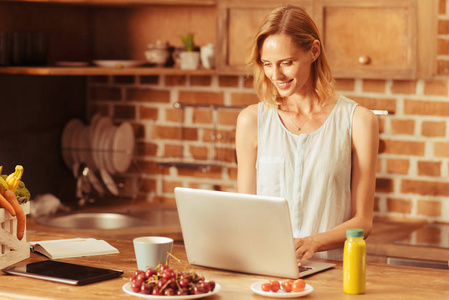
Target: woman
<point>303,141</point>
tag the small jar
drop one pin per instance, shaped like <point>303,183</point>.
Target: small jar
<point>354,262</point>
<point>157,54</point>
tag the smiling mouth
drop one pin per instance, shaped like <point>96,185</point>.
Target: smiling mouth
<point>283,85</point>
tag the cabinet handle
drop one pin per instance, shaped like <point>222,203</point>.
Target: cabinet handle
<point>364,60</point>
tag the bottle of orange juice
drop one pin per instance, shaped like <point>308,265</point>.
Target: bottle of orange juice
<point>354,262</point>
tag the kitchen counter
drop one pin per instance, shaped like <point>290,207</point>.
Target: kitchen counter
<point>383,281</point>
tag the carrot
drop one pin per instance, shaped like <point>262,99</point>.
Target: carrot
<point>20,214</point>
<point>5,204</point>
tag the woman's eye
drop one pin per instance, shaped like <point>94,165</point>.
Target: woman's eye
<point>287,63</point>
<point>266,64</point>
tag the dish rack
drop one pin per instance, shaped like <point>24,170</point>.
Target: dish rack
<point>101,157</point>
<point>12,250</point>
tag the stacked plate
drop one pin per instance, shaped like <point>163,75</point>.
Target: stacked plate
<point>105,148</point>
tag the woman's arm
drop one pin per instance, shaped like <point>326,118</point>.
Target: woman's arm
<point>365,144</point>
<point>246,148</point>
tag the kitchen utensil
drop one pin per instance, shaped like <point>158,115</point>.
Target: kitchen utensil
<point>256,288</point>
<point>127,289</point>
<point>157,54</point>
<point>118,63</point>
<point>151,251</point>
<point>123,147</point>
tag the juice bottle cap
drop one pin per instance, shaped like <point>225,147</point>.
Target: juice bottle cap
<point>355,232</point>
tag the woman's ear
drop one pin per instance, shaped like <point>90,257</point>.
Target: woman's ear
<point>315,49</point>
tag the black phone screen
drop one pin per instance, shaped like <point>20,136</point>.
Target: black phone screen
<point>63,272</point>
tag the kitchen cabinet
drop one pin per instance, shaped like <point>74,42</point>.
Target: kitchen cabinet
<point>390,39</point>
<point>238,22</point>
<point>83,31</point>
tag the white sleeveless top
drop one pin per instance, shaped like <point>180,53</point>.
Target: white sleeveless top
<point>312,171</point>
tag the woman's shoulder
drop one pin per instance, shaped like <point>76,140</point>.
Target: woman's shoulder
<point>248,114</point>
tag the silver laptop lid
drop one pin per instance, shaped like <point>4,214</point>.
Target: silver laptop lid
<point>237,232</point>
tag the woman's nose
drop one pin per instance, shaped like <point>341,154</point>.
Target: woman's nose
<point>277,73</point>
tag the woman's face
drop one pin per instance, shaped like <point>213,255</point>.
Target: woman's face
<point>286,65</point>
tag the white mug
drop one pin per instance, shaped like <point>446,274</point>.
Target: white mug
<point>151,251</point>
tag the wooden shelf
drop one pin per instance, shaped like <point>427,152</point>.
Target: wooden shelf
<point>121,2</point>
<point>88,71</point>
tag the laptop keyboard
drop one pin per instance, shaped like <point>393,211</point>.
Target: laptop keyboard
<point>303,269</point>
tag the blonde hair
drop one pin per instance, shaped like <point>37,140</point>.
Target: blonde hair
<point>296,23</point>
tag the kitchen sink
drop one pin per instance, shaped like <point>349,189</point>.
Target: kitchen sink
<point>111,220</point>
<point>92,221</point>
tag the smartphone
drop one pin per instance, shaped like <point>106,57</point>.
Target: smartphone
<point>63,272</point>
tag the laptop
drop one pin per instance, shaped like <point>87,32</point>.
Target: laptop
<point>240,232</point>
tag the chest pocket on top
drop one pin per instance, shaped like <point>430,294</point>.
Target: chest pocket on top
<point>270,176</point>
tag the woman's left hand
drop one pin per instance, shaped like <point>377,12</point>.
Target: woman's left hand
<point>305,248</point>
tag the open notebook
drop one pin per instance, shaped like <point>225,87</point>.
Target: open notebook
<point>76,247</point>
<point>240,232</point>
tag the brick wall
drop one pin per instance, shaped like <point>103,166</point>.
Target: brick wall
<point>413,162</point>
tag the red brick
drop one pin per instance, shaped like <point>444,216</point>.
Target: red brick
<point>173,150</point>
<point>175,80</point>
<point>148,185</point>
<point>374,86</point>
<point>98,107</point>
<point>174,115</point>
<point>124,112</point>
<point>377,103</point>
<point>433,129</point>
<point>398,166</point>
<point>105,93</point>
<point>403,206</point>
<point>146,149</point>
<point>228,81</point>
<point>248,82</point>
<point>435,88</point>
<point>404,147</point>
<point>399,126</point>
<point>429,168</point>
<point>202,116</point>
<point>225,155</point>
<point>125,79</point>
<point>442,67</point>
<point>200,80</point>
<point>428,188</point>
<point>148,113</point>
<point>169,186</point>
<point>384,185</point>
<point>443,47</point>
<point>166,132</point>
<point>147,95</point>
<point>139,130</point>
<point>200,97</point>
<point>232,173</point>
<point>199,152</point>
<point>150,79</point>
<point>429,208</point>
<point>243,99</point>
<point>343,84</point>
<point>443,26</point>
<point>403,87</point>
<point>442,7</point>
<point>152,168</point>
<point>228,117</point>
<point>441,149</point>
<point>427,108</point>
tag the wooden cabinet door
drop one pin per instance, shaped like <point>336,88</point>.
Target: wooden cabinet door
<point>238,22</point>
<point>377,38</point>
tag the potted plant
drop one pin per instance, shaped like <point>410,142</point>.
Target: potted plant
<point>189,59</point>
